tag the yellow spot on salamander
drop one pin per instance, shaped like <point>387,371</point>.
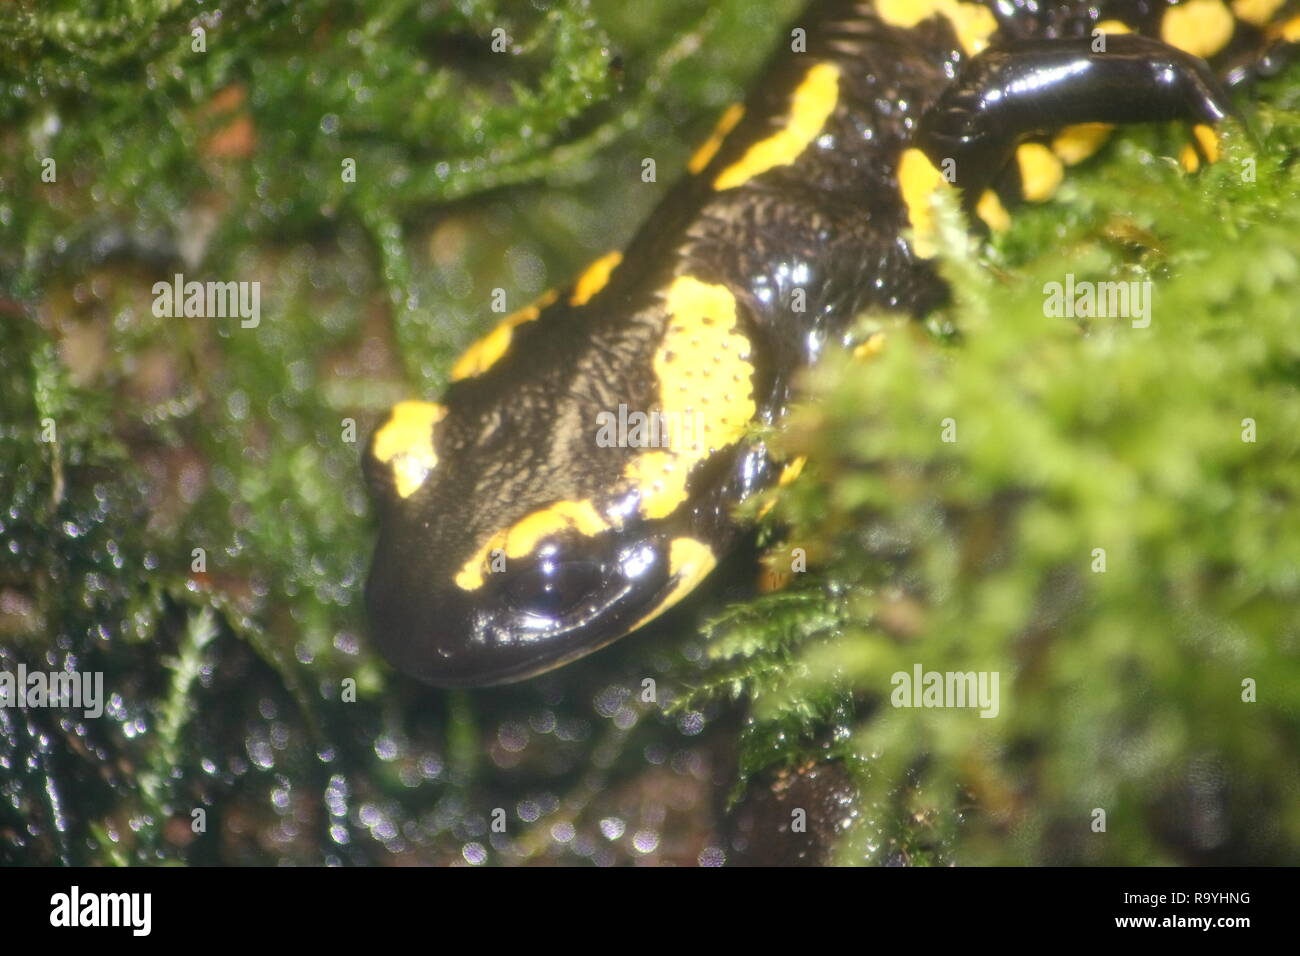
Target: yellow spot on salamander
<point>689,563</point>
<point>991,210</point>
<point>793,470</point>
<point>973,23</point>
<point>1041,171</point>
<point>1114,26</point>
<point>1076,143</point>
<point>1199,27</point>
<point>709,148</point>
<point>870,348</point>
<point>812,104</point>
<point>405,444</point>
<point>1208,140</point>
<point>705,382</point>
<point>789,473</point>
<point>918,179</point>
<point>594,278</point>
<point>1256,12</point>
<point>1287,31</point>
<point>520,539</point>
<point>484,353</point>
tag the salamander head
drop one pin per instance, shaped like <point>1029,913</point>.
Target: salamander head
<point>525,521</point>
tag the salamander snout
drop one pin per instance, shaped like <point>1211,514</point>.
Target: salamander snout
<point>569,596</point>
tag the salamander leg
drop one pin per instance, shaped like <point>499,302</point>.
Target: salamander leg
<point>1006,94</point>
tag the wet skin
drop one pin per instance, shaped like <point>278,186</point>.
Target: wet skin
<point>513,538</point>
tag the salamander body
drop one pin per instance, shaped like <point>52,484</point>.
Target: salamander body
<point>515,535</point>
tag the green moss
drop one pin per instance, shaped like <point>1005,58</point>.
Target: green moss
<point>1120,690</point>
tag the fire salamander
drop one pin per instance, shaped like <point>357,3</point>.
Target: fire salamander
<point>513,540</point>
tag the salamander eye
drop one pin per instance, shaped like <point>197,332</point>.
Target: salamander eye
<point>552,586</point>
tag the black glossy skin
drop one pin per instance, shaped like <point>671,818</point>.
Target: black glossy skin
<point>520,436</point>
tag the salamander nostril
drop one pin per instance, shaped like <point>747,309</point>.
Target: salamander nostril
<point>552,586</point>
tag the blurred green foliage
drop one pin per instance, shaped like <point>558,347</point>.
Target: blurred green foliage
<point>477,170</point>
<point>1172,448</point>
